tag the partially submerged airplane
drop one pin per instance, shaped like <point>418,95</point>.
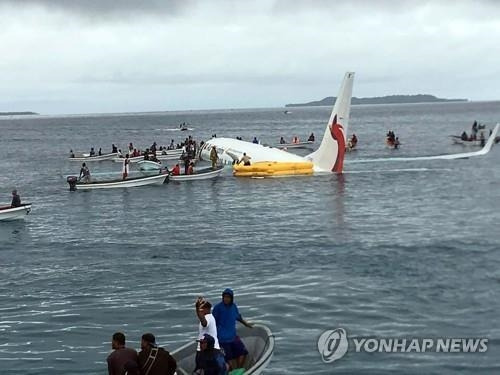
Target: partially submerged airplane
<point>329,157</point>
<point>268,161</point>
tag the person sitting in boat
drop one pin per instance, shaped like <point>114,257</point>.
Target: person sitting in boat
<point>214,157</point>
<point>126,163</point>
<point>154,360</point>
<point>464,137</point>
<point>171,146</point>
<point>295,140</point>
<point>391,138</point>
<point>190,169</point>
<point>146,154</point>
<point>226,315</point>
<point>209,360</point>
<point>92,152</point>
<point>16,199</point>
<point>245,159</point>
<point>396,142</point>
<point>176,171</point>
<point>71,154</point>
<point>255,140</point>
<point>100,152</point>
<point>84,174</point>
<point>114,149</point>
<point>311,138</point>
<point>152,157</point>
<point>282,141</point>
<point>121,355</point>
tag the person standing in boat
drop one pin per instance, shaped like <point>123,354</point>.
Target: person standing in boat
<point>114,149</point>
<point>84,174</point>
<point>126,163</point>
<point>214,157</point>
<point>100,152</point>
<point>120,356</point>
<point>207,323</point>
<point>71,154</point>
<point>92,152</point>
<point>16,199</point>
<point>190,168</point>
<point>226,315</point>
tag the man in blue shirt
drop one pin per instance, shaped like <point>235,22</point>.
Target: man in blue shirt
<point>226,315</point>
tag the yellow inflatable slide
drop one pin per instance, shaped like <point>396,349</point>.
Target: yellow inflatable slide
<point>273,168</point>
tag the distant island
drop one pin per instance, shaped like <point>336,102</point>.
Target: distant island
<point>390,99</point>
<point>17,113</point>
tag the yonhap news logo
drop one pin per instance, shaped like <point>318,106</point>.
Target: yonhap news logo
<point>334,344</point>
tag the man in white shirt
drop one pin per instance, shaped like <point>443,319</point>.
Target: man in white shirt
<point>207,321</point>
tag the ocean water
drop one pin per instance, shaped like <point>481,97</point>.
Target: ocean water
<point>386,250</point>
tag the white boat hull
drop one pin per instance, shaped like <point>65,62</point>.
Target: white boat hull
<point>137,159</point>
<point>94,158</point>
<point>308,144</point>
<point>158,179</point>
<point>476,143</point>
<point>14,213</point>
<point>258,340</point>
<point>203,174</point>
<point>148,165</point>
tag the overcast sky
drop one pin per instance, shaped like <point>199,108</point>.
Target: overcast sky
<point>89,56</point>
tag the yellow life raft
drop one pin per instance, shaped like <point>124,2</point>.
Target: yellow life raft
<point>273,168</point>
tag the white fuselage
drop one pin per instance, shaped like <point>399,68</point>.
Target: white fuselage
<point>229,149</point>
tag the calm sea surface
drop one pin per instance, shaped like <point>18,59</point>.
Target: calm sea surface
<point>387,250</point>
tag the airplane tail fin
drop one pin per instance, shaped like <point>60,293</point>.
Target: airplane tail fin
<point>330,154</point>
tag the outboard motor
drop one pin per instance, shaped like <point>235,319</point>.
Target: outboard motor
<point>72,182</point>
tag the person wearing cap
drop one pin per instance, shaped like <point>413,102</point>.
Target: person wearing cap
<point>209,360</point>
<point>121,355</point>
<point>226,315</point>
<point>207,323</point>
<point>154,360</point>
<point>16,199</point>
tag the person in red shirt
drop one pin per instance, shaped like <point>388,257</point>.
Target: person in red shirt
<point>176,171</point>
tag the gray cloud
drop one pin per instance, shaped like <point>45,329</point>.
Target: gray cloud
<point>101,9</point>
<point>202,54</point>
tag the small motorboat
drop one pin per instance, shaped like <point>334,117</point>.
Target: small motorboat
<point>258,340</point>
<point>87,158</point>
<point>14,213</point>
<point>306,144</point>
<point>149,165</point>
<point>201,174</point>
<point>156,179</point>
